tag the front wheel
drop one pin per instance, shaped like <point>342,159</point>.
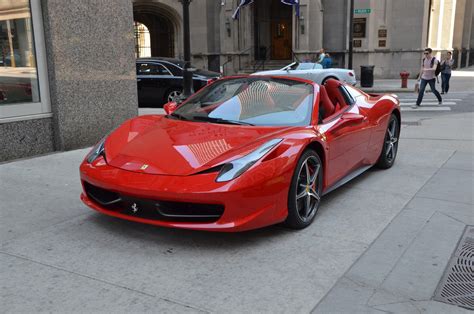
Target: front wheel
<point>305,191</point>
<point>390,144</point>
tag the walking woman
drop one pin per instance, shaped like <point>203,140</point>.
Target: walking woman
<point>446,67</point>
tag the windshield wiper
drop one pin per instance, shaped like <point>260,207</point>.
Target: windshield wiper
<point>220,120</point>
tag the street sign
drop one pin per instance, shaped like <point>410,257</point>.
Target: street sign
<point>362,11</point>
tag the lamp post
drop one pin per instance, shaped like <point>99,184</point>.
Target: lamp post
<point>351,32</point>
<point>187,74</point>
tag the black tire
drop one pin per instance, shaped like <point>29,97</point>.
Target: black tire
<point>301,215</point>
<point>328,78</point>
<point>390,144</point>
<point>173,91</point>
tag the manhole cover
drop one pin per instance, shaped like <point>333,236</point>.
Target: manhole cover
<point>457,285</point>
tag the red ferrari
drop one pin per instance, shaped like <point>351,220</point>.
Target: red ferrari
<point>242,153</point>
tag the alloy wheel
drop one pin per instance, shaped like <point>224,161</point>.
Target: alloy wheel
<point>391,140</point>
<point>308,190</point>
<point>174,95</point>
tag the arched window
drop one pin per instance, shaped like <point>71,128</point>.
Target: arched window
<point>142,41</point>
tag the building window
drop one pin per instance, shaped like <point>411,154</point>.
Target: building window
<point>23,82</point>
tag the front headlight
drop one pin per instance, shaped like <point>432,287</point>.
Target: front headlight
<point>236,167</point>
<point>97,151</point>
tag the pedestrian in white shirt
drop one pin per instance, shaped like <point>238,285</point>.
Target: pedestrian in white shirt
<point>322,55</point>
<point>428,76</point>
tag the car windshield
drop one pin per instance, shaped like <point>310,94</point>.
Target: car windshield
<point>251,101</point>
<point>308,66</point>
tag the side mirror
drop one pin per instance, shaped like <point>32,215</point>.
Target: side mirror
<point>170,107</point>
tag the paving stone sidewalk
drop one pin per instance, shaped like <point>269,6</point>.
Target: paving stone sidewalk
<point>400,271</point>
<point>380,243</point>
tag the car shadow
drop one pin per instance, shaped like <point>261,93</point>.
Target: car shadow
<point>181,237</point>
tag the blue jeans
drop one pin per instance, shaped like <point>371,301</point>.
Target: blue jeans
<point>423,87</point>
<point>445,77</point>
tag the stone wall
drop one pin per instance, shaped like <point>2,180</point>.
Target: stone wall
<point>26,138</point>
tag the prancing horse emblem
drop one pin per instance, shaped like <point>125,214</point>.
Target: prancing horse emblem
<point>134,208</point>
<point>144,167</point>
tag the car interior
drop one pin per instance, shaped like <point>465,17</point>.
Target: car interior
<point>333,100</point>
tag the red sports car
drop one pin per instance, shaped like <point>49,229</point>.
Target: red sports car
<point>242,153</point>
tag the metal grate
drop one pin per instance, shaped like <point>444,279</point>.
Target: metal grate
<point>457,284</point>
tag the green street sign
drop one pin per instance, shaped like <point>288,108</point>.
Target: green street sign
<point>362,11</point>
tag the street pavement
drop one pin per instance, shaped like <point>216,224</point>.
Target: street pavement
<point>381,243</point>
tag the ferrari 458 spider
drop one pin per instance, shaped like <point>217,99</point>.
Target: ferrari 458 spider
<point>242,153</point>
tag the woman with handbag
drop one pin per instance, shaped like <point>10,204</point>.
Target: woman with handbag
<point>446,67</point>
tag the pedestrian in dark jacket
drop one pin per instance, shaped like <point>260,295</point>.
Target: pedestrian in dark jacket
<point>327,61</point>
<point>446,67</point>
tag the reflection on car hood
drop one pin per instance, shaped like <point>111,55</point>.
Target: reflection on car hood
<point>159,145</point>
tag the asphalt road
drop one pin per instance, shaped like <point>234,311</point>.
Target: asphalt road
<point>455,102</point>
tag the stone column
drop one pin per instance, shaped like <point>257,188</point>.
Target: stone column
<point>91,68</point>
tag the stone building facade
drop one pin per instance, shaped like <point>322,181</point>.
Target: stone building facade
<point>388,34</point>
<point>67,68</point>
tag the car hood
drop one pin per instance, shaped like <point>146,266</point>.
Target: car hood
<point>155,144</point>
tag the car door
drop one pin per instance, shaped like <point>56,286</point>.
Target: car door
<point>347,135</point>
<point>152,83</point>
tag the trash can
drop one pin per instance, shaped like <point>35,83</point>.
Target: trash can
<point>367,75</point>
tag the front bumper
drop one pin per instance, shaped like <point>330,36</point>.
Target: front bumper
<point>256,199</point>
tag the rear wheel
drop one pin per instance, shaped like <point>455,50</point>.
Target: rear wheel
<point>305,191</point>
<point>390,145</point>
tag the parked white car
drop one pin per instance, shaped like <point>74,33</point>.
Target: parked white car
<point>313,72</point>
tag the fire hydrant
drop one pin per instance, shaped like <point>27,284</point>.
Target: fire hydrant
<point>404,76</point>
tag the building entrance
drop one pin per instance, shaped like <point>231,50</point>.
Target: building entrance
<point>273,30</point>
<point>154,32</point>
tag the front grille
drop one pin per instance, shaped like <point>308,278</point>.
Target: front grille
<point>102,196</point>
<point>153,209</point>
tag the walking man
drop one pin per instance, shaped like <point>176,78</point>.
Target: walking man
<point>446,67</point>
<point>428,76</point>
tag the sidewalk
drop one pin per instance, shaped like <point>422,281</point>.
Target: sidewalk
<point>458,83</point>
<point>389,86</point>
<point>400,271</point>
<point>380,243</point>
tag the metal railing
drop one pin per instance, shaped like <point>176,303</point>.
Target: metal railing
<point>260,64</point>
<point>230,58</point>
<point>295,56</point>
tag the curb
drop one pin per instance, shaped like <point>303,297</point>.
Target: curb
<point>388,90</point>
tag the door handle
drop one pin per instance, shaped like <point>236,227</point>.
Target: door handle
<point>139,80</point>
<point>353,119</point>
